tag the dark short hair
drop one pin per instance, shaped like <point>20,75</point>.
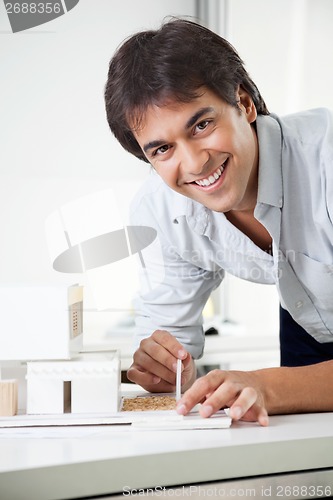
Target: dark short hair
<point>175,61</point>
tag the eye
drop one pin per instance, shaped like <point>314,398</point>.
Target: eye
<point>202,125</point>
<point>161,150</point>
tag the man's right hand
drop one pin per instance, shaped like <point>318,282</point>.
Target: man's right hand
<point>155,363</point>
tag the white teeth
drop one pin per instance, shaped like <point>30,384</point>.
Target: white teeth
<point>212,178</point>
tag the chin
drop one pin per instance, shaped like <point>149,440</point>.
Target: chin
<point>217,204</point>
<point>215,207</point>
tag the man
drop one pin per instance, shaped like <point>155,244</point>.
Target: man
<point>234,188</point>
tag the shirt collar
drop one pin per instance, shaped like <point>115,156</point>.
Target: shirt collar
<point>270,174</point>
<point>180,207</point>
<point>177,204</point>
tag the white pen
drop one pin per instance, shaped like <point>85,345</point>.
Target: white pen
<point>178,380</point>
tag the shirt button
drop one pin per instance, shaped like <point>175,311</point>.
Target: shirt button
<point>299,304</point>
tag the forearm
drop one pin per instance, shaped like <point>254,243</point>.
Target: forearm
<point>297,389</point>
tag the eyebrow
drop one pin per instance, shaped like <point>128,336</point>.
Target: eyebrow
<point>153,144</point>
<point>160,142</point>
<point>199,114</point>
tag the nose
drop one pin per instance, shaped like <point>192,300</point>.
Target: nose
<point>193,159</point>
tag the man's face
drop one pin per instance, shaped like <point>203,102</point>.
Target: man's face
<point>206,149</point>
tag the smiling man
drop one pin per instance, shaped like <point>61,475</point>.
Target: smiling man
<point>233,188</point>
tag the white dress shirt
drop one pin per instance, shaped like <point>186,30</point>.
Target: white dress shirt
<point>195,245</point>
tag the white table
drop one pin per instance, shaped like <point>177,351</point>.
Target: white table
<point>64,463</point>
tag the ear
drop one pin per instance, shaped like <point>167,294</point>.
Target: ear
<point>246,104</point>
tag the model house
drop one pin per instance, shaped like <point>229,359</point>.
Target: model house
<point>88,383</point>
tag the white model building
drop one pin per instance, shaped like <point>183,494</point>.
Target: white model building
<point>43,326</point>
<point>40,322</point>
<point>89,383</point>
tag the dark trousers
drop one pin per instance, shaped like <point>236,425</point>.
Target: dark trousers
<point>297,346</point>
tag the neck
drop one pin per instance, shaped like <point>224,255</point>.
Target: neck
<point>245,221</point>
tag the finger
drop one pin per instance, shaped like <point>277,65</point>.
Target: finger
<point>244,402</point>
<point>170,343</point>
<point>263,417</point>
<point>246,407</point>
<point>221,397</point>
<point>142,377</point>
<point>199,390</point>
<point>256,413</point>
<point>154,367</point>
<point>187,361</point>
<point>163,348</point>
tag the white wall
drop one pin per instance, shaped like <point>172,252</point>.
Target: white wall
<point>287,48</point>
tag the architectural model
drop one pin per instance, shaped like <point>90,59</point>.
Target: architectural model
<point>89,383</point>
<point>43,326</point>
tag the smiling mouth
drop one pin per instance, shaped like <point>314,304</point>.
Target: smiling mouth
<point>212,178</point>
